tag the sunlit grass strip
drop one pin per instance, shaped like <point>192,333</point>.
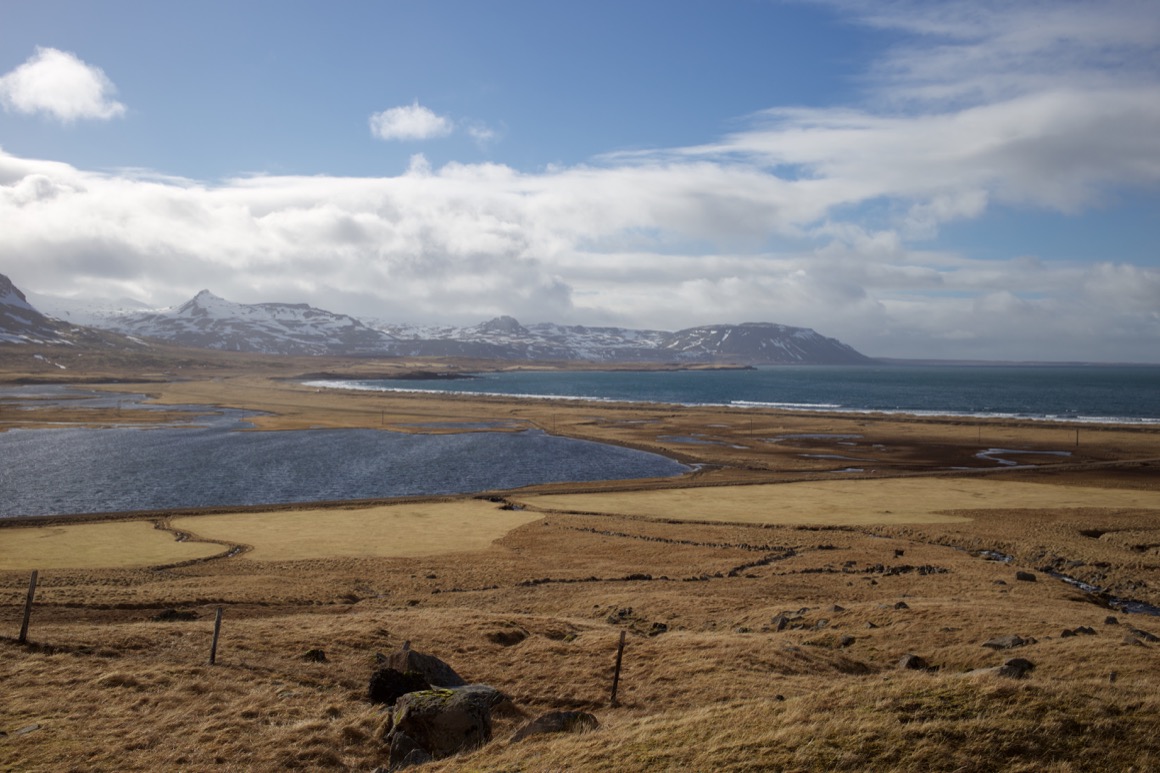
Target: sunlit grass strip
<point>120,544</point>
<point>861,502</point>
<point>391,530</point>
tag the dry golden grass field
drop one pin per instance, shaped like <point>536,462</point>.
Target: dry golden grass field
<point>767,598</point>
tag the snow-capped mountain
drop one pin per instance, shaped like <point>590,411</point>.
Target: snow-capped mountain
<point>210,322</point>
<point>91,312</point>
<point>505,338</point>
<point>763,342</point>
<point>21,323</point>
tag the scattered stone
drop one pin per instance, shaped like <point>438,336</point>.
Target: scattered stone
<point>1111,620</point>
<point>657,629</point>
<point>899,553</point>
<point>871,625</point>
<point>388,684</point>
<point>902,605</point>
<point>173,615</point>
<point>1016,668</point>
<point>508,637</point>
<point>314,656</point>
<point>999,582</point>
<point>1067,633</point>
<point>835,609</point>
<point>846,641</point>
<point>1008,642</point>
<point>620,615</point>
<point>779,623</point>
<point>823,623</point>
<point>27,729</point>
<point>433,670</point>
<point>912,662</point>
<point>1112,677</point>
<point>1130,639</point>
<point>1144,635</point>
<point>1085,631</point>
<point>779,698</point>
<point>557,722</point>
<point>1025,577</point>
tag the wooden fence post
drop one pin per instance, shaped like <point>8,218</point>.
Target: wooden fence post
<point>28,608</point>
<point>616,673</point>
<point>217,628</point>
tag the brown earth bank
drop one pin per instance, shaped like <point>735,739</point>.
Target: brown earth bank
<point>765,622</point>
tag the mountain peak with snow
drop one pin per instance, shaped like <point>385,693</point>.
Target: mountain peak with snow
<point>209,321</point>
<point>21,323</point>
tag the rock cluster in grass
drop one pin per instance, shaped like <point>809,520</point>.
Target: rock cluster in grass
<point>435,713</point>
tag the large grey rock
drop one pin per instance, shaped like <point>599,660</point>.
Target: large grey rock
<point>441,722</point>
<point>557,722</point>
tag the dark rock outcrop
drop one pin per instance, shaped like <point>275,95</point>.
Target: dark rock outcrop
<point>1016,668</point>
<point>387,685</point>
<point>434,671</point>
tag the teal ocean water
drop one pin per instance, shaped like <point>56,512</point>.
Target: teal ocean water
<point>1062,393</point>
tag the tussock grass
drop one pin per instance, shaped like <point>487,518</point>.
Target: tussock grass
<point>112,689</point>
<point>897,723</point>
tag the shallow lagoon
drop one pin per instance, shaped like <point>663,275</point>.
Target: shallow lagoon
<point>207,462</point>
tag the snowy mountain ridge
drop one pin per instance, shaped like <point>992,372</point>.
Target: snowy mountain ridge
<point>211,322</point>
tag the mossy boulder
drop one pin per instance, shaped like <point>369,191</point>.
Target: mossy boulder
<point>441,722</point>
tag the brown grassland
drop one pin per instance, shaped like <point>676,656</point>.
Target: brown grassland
<point>870,565</point>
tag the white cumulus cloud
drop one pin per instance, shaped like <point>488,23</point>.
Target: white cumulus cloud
<point>822,217</point>
<point>410,122</point>
<point>59,84</point>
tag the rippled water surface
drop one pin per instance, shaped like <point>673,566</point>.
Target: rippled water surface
<point>56,471</point>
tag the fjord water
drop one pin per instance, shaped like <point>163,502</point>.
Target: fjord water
<point>210,463</point>
<point>1068,393</point>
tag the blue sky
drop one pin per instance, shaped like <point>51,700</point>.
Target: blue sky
<point>960,180</point>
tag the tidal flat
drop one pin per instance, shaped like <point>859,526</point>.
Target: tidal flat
<point>768,597</point>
